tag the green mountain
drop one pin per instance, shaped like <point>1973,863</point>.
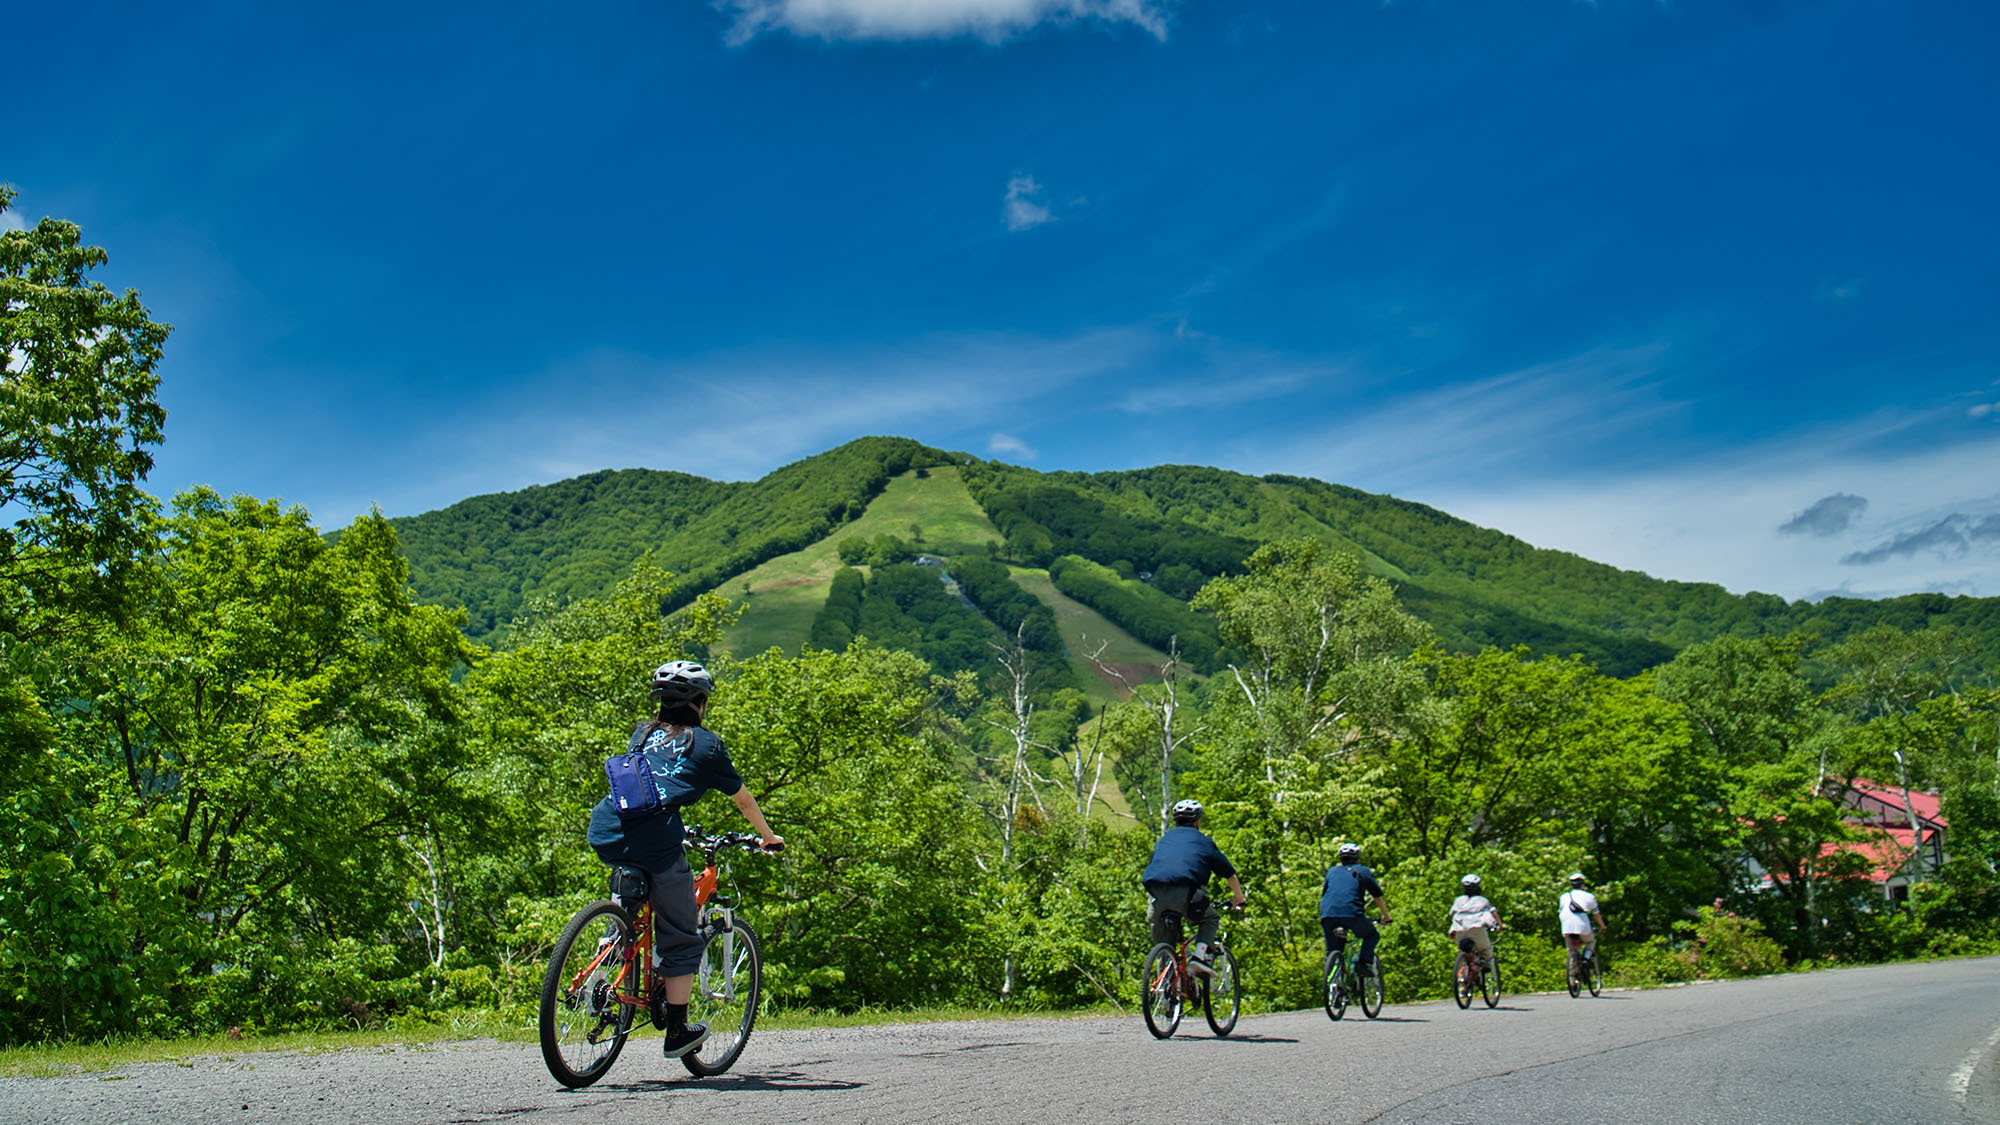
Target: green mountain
<point>1115,555</point>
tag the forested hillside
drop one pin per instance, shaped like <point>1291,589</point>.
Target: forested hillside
<point>579,537</point>
<point>1155,537</point>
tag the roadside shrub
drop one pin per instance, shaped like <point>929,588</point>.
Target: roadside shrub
<point>1730,945</point>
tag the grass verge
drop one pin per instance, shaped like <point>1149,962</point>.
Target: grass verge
<point>54,1059</point>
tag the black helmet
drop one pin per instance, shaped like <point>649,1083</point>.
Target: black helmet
<point>1187,811</point>
<point>1350,852</point>
<point>682,681</point>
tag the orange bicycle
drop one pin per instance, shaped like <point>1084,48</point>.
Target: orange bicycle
<point>601,974</point>
<point>1169,986</point>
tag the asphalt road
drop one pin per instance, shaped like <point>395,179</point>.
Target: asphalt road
<point>1905,1044</point>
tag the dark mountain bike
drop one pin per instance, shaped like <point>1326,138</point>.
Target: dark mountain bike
<point>1168,986</point>
<point>600,975</point>
<point>1345,981</point>
<point>1586,970</point>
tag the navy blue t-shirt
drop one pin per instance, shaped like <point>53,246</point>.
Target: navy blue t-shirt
<point>1185,854</point>
<point>1347,889</point>
<point>687,762</point>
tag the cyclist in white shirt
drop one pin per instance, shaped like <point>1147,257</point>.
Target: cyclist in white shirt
<point>1473,917</point>
<point>1581,919</point>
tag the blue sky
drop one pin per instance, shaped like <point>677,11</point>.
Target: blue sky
<point>1705,289</point>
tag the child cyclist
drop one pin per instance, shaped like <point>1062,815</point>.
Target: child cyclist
<point>1473,918</point>
<point>1177,884</point>
<point>687,760</point>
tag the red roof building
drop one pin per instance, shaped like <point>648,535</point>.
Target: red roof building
<point>1905,834</point>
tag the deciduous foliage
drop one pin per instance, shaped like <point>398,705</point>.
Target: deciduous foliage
<point>78,415</point>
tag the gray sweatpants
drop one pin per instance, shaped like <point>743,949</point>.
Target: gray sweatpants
<point>1173,901</point>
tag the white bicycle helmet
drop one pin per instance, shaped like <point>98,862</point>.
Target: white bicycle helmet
<point>682,681</point>
<point>1187,811</point>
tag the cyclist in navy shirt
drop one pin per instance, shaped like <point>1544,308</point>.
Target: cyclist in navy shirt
<point>1177,883</point>
<point>1343,898</point>
<point>687,761</point>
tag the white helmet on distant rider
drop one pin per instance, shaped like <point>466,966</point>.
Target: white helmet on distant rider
<point>1188,812</point>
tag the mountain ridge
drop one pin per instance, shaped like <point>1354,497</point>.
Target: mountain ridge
<point>1170,526</point>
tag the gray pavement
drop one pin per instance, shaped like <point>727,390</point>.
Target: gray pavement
<point>1909,1043</point>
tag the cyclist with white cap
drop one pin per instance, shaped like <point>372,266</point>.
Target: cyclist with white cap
<point>1581,918</point>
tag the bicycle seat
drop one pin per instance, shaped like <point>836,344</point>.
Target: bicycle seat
<point>630,885</point>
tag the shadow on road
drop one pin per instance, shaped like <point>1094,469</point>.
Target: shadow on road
<point>1392,1019</point>
<point>1245,1039</point>
<point>737,1083</point>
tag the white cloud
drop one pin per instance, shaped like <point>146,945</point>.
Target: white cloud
<point>1007,445</point>
<point>11,220</point>
<point>1020,207</point>
<point>1984,409</point>
<point>991,20</point>
<point>1712,522</point>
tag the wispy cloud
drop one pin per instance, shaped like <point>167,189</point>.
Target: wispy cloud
<point>1951,537</point>
<point>1830,515</point>
<point>1021,207</point>
<point>738,415</point>
<point>1007,445</point>
<point>1711,519</point>
<point>1516,424</point>
<point>1212,391</point>
<point>991,20</point>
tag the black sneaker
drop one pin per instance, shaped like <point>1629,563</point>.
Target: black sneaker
<point>687,1039</point>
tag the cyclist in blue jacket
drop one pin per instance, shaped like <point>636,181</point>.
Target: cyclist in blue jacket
<point>1177,884</point>
<point>1343,898</point>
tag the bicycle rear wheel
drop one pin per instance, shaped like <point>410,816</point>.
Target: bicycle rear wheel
<point>1160,991</point>
<point>1222,996</point>
<point>1489,981</point>
<point>583,1022</point>
<point>1371,989</point>
<point>727,986</point>
<point>1575,975</point>
<point>1461,981</point>
<point>1336,986</point>
<point>1595,967</point>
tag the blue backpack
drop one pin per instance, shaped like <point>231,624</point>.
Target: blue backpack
<point>634,791</point>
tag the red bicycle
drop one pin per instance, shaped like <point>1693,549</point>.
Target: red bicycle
<point>1169,986</point>
<point>601,974</point>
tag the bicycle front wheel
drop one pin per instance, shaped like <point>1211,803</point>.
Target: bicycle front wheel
<point>727,986</point>
<point>1222,996</point>
<point>1595,968</point>
<point>1575,975</point>
<point>1489,982</point>
<point>1160,997</point>
<point>1336,987</point>
<point>583,1021</point>
<point>1371,989</point>
<point>1461,981</point>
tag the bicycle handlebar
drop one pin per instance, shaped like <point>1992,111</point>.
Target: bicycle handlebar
<point>748,841</point>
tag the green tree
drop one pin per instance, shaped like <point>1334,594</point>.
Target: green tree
<point>78,415</point>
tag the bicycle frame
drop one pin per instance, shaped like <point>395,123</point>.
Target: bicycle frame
<point>629,984</point>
